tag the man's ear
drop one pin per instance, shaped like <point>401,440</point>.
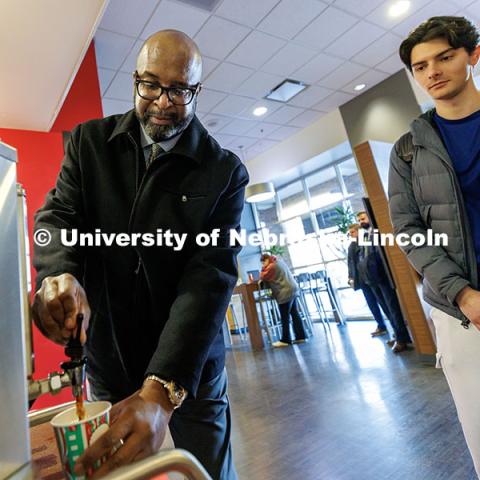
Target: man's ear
<point>475,56</point>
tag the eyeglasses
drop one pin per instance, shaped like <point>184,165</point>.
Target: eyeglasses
<point>177,95</point>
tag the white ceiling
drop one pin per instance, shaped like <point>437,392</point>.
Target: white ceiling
<point>42,45</point>
<point>249,46</point>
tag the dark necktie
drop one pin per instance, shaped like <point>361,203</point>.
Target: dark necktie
<point>154,152</point>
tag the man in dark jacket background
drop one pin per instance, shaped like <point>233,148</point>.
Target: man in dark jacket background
<point>153,314</point>
<point>356,282</point>
<point>434,183</point>
<point>372,272</point>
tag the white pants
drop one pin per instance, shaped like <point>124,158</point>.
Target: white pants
<point>459,356</point>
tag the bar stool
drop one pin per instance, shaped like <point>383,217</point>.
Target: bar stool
<point>322,283</point>
<point>269,313</point>
<point>304,281</point>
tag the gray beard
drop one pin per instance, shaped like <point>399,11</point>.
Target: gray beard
<point>160,133</point>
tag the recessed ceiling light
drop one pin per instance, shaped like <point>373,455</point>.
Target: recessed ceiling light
<point>359,87</point>
<point>259,111</point>
<point>286,90</point>
<point>399,8</point>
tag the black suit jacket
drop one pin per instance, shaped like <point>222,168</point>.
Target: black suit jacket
<point>154,310</point>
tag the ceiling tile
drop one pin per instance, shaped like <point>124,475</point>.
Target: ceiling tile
<point>247,12</point>
<point>342,75</point>
<point>105,77</point>
<point>259,84</point>
<point>255,50</point>
<point>214,123</point>
<point>317,68</point>
<point>325,28</point>
<point>208,99</point>
<point>261,146</point>
<point>305,119</point>
<point>111,49</point>
<point>208,65</point>
<point>271,107</point>
<point>227,77</point>
<point>130,63</point>
<point>238,127</point>
<point>283,133</point>
<point>121,87</point>
<point>310,96</point>
<point>288,59</point>
<point>284,114</point>
<point>290,16</point>
<point>243,142</point>
<point>465,3</point>
<point>352,6</point>
<point>380,15</point>
<point>437,7</point>
<point>356,39</point>
<point>333,101</point>
<point>473,11</point>
<point>112,107</point>
<point>125,16</point>
<point>170,14</point>
<point>391,65</point>
<point>369,78</point>
<point>223,139</point>
<point>262,130</point>
<point>233,105</point>
<point>379,50</point>
<point>218,37</point>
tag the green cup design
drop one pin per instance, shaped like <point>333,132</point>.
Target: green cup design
<point>74,436</point>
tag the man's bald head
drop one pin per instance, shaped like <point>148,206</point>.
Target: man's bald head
<point>175,48</point>
<point>168,59</point>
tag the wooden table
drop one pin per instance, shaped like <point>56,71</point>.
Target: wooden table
<point>45,458</point>
<point>246,290</point>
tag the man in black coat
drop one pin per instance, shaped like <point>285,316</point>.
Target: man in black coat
<point>356,282</point>
<point>153,314</point>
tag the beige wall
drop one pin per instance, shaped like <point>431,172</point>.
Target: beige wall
<point>326,133</point>
<point>382,113</point>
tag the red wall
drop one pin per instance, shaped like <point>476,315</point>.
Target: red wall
<point>39,158</point>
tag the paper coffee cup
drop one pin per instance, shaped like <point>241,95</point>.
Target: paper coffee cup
<point>75,436</point>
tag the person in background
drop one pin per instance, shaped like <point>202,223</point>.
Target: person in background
<point>356,282</point>
<point>372,271</point>
<point>154,341</point>
<point>434,183</point>
<point>279,279</point>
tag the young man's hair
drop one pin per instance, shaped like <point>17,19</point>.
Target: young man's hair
<point>355,226</point>
<point>458,31</point>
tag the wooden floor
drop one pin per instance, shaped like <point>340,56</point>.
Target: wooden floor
<point>343,407</point>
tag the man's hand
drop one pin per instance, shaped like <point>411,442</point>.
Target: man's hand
<point>140,421</point>
<point>468,300</point>
<point>351,282</point>
<point>56,305</point>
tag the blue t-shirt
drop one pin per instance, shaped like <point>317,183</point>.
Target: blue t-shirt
<point>462,139</point>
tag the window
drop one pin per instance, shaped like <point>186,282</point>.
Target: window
<point>293,200</point>
<point>353,184</point>
<point>324,189</point>
<point>308,217</point>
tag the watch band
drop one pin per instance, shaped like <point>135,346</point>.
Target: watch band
<point>176,393</point>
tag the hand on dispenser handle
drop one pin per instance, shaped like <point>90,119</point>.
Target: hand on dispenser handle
<point>56,305</point>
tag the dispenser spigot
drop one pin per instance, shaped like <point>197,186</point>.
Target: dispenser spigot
<point>75,367</point>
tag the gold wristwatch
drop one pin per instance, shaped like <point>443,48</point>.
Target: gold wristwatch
<point>176,393</point>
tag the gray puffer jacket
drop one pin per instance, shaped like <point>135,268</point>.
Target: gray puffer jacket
<point>424,193</point>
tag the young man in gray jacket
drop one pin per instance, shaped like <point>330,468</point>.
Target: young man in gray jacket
<point>434,183</point>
